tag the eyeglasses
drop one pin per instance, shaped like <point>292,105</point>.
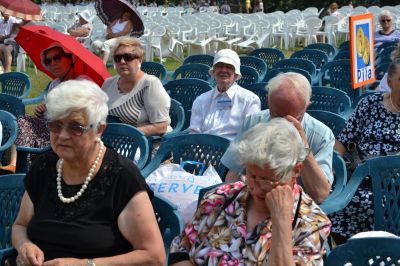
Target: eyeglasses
<point>262,182</point>
<point>73,129</point>
<point>56,59</point>
<point>127,57</point>
<point>386,20</point>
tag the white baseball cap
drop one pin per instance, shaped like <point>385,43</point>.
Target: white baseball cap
<point>229,57</point>
<point>85,14</point>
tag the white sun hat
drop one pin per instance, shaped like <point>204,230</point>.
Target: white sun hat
<point>229,57</point>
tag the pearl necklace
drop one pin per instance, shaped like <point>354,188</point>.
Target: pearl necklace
<point>391,101</point>
<point>87,179</point>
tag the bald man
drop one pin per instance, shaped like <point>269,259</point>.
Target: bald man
<point>289,96</point>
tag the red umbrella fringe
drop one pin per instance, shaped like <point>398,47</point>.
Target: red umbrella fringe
<point>21,15</point>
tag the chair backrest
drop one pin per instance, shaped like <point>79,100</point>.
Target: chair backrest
<point>273,72</point>
<point>256,63</point>
<point>10,130</point>
<point>334,121</point>
<point>260,90</point>
<point>344,46</point>
<point>193,70</point>
<point>269,55</point>
<point>177,115</point>
<point>204,148</point>
<point>185,91</point>
<point>329,49</point>
<point>385,45</point>
<point>126,140</point>
<point>11,191</point>
<point>17,84</point>
<point>329,99</point>
<point>381,70</point>
<point>156,69</point>
<point>304,64</point>
<point>337,74</point>
<point>318,57</point>
<point>366,251</point>
<point>249,75</point>
<point>168,218</point>
<point>11,104</point>
<point>199,59</point>
<point>342,54</point>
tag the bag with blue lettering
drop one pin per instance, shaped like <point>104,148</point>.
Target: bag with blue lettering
<point>181,187</point>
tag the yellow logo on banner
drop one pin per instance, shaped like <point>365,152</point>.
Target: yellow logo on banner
<point>363,49</point>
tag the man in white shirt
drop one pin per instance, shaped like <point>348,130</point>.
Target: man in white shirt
<point>222,110</point>
<point>6,27</point>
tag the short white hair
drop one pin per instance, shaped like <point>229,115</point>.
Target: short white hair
<point>297,82</point>
<point>276,143</point>
<point>74,95</point>
<point>385,13</point>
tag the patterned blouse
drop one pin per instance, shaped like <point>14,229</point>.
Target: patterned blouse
<point>217,234</point>
<point>372,128</point>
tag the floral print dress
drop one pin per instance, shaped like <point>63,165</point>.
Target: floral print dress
<point>376,132</point>
<point>218,235</point>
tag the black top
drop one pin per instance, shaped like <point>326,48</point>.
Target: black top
<point>86,228</point>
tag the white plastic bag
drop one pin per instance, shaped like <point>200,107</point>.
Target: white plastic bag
<point>181,187</point>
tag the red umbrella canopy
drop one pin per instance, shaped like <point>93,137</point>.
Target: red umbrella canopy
<point>24,9</point>
<point>35,39</point>
<point>110,10</point>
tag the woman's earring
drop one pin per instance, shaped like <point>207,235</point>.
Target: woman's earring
<point>140,65</point>
<point>98,139</point>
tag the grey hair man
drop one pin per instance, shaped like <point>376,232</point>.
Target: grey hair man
<point>289,96</point>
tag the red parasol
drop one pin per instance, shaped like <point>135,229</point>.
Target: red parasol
<point>35,39</point>
<point>24,9</point>
<point>110,10</point>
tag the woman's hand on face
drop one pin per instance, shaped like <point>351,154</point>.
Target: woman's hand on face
<point>280,202</point>
<point>66,262</point>
<point>39,110</point>
<point>30,255</point>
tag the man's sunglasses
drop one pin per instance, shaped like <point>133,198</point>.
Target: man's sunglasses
<point>56,59</point>
<point>386,20</point>
<point>74,129</point>
<point>127,57</point>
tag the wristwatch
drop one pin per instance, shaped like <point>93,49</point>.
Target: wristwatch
<point>90,262</point>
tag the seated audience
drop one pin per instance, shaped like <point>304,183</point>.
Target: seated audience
<point>119,27</point>
<point>259,6</point>
<point>7,27</point>
<point>135,97</point>
<point>372,130</point>
<point>84,203</point>
<point>222,110</point>
<point>83,27</point>
<point>383,84</point>
<point>225,8</point>
<point>387,33</point>
<point>269,220</point>
<point>289,96</point>
<point>333,9</point>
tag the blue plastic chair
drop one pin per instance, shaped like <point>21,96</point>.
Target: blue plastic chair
<point>386,46</point>
<point>344,45</point>
<point>10,130</point>
<point>37,99</point>
<point>273,72</point>
<point>318,57</point>
<point>269,55</point>
<point>249,76</point>
<point>381,69</point>
<point>199,59</point>
<point>203,148</point>
<point>329,49</point>
<point>330,99</point>
<point>126,140</point>
<point>337,74</point>
<point>17,84</point>
<point>366,251</point>
<point>155,69</point>
<point>260,90</point>
<point>11,104</point>
<point>177,115</point>
<point>303,64</point>
<point>342,54</point>
<point>185,91</point>
<point>169,220</point>
<point>384,172</point>
<point>194,70</point>
<point>256,63</point>
<point>11,191</point>
<point>334,121</point>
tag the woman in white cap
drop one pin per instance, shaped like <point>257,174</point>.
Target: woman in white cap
<point>83,27</point>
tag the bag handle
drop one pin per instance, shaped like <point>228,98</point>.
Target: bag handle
<point>194,163</point>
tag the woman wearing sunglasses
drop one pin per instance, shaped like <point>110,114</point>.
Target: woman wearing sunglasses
<point>387,33</point>
<point>135,97</point>
<point>32,130</point>
<point>84,203</point>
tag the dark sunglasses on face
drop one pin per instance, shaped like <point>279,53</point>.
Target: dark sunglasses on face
<point>56,59</point>
<point>127,57</point>
<point>386,20</point>
<point>74,129</point>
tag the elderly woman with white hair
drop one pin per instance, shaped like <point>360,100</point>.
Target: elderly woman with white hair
<point>84,203</point>
<point>387,33</point>
<point>233,223</point>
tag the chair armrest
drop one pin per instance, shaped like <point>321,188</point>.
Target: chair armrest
<point>22,156</point>
<point>35,100</point>
<point>8,254</point>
